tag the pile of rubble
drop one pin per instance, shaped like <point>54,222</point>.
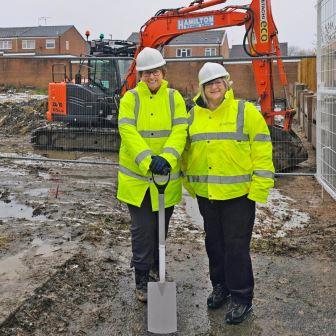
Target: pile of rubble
<point>21,117</point>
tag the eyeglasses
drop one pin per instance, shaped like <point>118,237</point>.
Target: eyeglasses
<point>217,82</point>
<point>147,73</point>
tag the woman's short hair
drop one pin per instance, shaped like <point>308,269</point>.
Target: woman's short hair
<point>228,83</point>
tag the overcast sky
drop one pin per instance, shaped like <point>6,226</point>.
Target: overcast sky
<point>295,19</point>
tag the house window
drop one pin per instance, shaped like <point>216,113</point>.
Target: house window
<point>50,44</point>
<point>210,52</point>
<point>183,52</point>
<point>5,45</point>
<point>67,45</point>
<point>28,44</point>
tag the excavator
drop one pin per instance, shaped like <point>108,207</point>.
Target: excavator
<point>89,110</point>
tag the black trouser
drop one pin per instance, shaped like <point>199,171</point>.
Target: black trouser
<point>145,233</point>
<point>228,227</point>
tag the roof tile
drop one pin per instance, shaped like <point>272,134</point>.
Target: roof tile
<point>39,31</point>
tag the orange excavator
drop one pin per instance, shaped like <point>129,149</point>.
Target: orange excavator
<point>93,128</point>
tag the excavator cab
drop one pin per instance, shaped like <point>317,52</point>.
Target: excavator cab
<point>108,74</point>
<point>103,74</point>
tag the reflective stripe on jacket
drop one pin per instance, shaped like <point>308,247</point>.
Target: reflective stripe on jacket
<point>150,124</point>
<point>229,152</point>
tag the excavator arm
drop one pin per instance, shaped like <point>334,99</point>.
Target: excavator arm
<point>261,36</point>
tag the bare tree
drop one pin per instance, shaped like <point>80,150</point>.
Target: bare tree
<point>298,51</point>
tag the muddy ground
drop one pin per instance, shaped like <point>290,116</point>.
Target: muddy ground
<point>65,252</point>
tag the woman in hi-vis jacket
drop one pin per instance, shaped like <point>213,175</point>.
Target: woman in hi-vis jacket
<point>153,128</point>
<point>228,167</point>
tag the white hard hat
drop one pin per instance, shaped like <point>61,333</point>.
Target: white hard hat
<point>148,59</point>
<point>211,71</point>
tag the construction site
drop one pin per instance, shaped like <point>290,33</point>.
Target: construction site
<point>65,239</point>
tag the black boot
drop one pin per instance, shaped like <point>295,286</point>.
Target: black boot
<point>141,280</point>
<point>238,312</point>
<point>218,296</point>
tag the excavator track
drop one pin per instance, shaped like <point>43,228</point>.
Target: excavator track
<point>82,139</point>
<point>288,149</point>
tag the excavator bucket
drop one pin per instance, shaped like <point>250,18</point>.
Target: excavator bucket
<point>288,149</point>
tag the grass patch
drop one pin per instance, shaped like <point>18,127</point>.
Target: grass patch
<point>4,241</point>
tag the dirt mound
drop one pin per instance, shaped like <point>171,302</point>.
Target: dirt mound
<point>80,282</point>
<point>22,117</point>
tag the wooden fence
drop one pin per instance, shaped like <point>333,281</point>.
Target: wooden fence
<point>307,73</point>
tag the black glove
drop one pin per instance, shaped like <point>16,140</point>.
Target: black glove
<point>159,165</point>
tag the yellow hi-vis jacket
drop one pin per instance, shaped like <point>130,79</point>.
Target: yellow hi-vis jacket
<point>150,124</point>
<point>229,152</point>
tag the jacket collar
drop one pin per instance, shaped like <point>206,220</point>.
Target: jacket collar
<point>143,88</point>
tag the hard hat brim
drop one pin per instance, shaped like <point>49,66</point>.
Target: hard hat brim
<point>212,78</point>
<point>150,67</point>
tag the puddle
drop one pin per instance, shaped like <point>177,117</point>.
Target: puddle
<point>17,210</point>
<point>43,247</point>
<point>12,267</point>
<point>192,210</point>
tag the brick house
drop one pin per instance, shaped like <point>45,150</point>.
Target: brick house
<point>237,50</point>
<point>42,40</point>
<point>197,44</point>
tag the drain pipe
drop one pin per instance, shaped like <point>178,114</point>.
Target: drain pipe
<point>294,174</point>
<point>103,163</point>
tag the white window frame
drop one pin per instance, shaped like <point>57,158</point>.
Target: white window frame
<point>183,52</point>
<point>208,52</point>
<point>28,44</point>
<point>6,44</point>
<point>50,44</point>
<point>67,45</point>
